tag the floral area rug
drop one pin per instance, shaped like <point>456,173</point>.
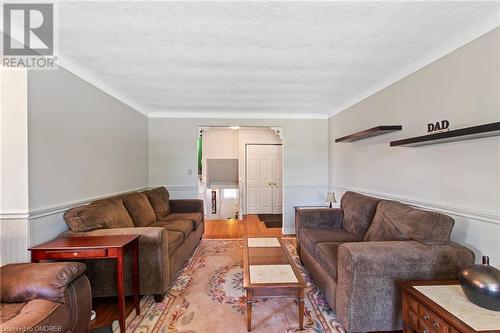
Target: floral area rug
<point>208,296</point>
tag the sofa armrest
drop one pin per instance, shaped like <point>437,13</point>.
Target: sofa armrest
<point>187,206</point>
<point>367,294</point>
<point>319,218</point>
<point>29,281</point>
<point>153,252</point>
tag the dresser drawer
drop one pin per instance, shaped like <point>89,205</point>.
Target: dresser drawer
<point>75,254</point>
<point>429,322</point>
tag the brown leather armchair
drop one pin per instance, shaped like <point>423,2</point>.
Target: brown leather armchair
<point>44,297</point>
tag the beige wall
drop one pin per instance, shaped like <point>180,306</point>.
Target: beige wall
<point>218,143</point>
<point>460,178</point>
<point>172,153</point>
<point>83,144</point>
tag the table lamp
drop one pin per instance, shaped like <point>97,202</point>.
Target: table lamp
<point>330,197</point>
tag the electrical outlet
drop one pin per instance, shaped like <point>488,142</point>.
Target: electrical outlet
<point>190,172</point>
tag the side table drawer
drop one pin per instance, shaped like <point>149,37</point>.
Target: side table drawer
<point>75,254</point>
<point>430,322</point>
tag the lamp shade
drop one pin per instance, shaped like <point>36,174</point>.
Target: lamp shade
<point>330,197</point>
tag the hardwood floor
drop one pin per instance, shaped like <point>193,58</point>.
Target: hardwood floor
<point>250,225</point>
<point>106,309</point>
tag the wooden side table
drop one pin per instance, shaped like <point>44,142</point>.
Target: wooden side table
<point>440,306</point>
<point>97,247</point>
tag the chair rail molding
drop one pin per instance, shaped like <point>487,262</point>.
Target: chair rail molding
<point>181,188</point>
<point>306,187</point>
<point>13,215</point>
<point>55,209</point>
<point>181,191</point>
<point>467,212</point>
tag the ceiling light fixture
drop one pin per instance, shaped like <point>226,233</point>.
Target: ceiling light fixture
<point>235,127</point>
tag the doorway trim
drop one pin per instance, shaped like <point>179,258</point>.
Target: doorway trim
<point>278,130</point>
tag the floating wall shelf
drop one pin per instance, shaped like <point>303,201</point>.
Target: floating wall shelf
<point>468,133</point>
<point>369,133</point>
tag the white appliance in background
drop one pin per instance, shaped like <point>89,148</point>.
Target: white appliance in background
<point>264,179</point>
<point>222,195</point>
<point>222,204</point>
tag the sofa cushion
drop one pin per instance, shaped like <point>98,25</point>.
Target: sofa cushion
<point>102,214</point>
<point>327,256</point>
<point>175,239</point>
<point>184,226</point>
<point>159,200</point>
<point>81,219</point>
<point>358,212</point>
<point>396,221</point>
<point>309,237</point>
<point>139,209</point>
<point>196,218</point>
<point>113,212</point>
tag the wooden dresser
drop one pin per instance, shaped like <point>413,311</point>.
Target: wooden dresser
<point>441,307</point>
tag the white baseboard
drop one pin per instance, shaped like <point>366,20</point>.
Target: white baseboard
<point>288,231</point>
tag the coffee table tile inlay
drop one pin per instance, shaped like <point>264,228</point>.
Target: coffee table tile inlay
<point>269,271</point>
<point>263,242</point>
<point>272,274</point>
<point>97,247</point>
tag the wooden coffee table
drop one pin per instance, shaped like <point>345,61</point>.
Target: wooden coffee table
<point>97,247</point>
<point>269,271</point>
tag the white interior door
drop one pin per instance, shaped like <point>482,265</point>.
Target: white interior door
<point>278,180</point>
<point>263,195</point>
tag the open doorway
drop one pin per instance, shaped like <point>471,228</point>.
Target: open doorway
<point>240,173</point>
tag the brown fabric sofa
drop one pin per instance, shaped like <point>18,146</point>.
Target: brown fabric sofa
<point>44,297</point>
<point>170,230</point>
<point>356,254</point>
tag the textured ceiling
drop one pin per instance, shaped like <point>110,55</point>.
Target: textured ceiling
<point>295,58</point>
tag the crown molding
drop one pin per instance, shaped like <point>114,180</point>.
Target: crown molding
<point>72,67</point>
<point>235,115</point>
<point>487,25</point>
